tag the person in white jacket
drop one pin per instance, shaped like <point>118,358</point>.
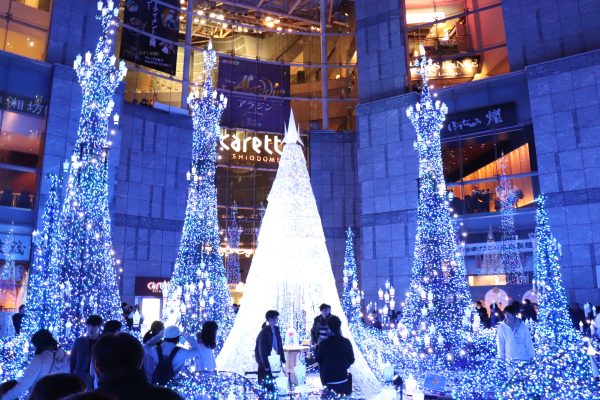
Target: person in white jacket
<point>513,338</point>
<point>49,359</point>
<point>207,340</point>
<point>170,343</point>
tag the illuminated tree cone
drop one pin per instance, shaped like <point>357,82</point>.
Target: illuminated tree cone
<point>291,270</point>
<point>490,264</point>
<point>510,258</point>
<point>376,347</point>
<point>8,286</point>
<point>82,247</point>
<point>233,239</point>
<point>562,368</point>
<point>44,294</point>
<point>438,295</point>
<point>198,289</point>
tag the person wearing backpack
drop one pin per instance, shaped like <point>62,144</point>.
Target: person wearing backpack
<point>168,357</point>
<point>118,362</point>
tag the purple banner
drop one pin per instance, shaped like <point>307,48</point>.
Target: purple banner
<point>252,88</point>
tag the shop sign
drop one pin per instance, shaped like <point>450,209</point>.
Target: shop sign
<point>480,119</point>
<point>21,248</point>
<point>465,67</point>
<point>151,287</point>
<point>253,88</point>
<point>22,104</point>
<point>251,150</point>
<point>154,18</point>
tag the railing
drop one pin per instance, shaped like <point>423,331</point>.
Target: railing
<point>16,199</point>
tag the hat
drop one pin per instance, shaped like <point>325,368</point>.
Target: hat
<point>171,332</point>
<point>324,306</point>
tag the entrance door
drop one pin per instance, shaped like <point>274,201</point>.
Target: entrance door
<point>151,310</point>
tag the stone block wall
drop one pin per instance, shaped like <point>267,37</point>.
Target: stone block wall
<point>565,105</point>
<point>151,192</point>
<point>381,49</point>
<point>543,30</point>
<point>333,179</point>
<point>73,30</point>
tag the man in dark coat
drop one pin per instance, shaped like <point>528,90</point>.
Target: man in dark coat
<point>81,352</point>
<point>118,362</point>
<point>335,356</point>
<point>269,339</point>
<point>320,330</point>
<point>17,319</point>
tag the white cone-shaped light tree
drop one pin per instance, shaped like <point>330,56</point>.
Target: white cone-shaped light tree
<point>291,270</point>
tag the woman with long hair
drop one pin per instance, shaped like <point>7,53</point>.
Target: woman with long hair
<point>49,359</point>
<point>207,339</point>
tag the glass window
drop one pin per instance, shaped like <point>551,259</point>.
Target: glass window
<point>465,40</point>
<point>17,188</point>
<point>473,167</point>
<point>21,138</point>
<point>24,27</point>
<point>268,40</point>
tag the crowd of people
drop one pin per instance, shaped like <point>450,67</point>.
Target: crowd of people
<point>333,352</point>
<point>107,362</point>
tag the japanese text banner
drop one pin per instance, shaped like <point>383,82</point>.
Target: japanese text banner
<point>156,19</point>
<point>252,88</point>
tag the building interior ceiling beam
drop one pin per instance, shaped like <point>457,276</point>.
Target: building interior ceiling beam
<point>280,12</point>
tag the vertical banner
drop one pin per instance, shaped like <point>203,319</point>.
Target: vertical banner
<point>156,19</point>
<point>252,88</point>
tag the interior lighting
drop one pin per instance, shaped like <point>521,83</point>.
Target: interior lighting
<point>423,17</point>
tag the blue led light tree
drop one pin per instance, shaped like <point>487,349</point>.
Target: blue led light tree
<point>198,290</point>
<point>510,259</point>
<point>233,238</point>
<point>351,295</point>
<point>562,367</point>
<point>438,296</point>
<point>44,292</point>
<point>82,248</point>
<point>8,285</point>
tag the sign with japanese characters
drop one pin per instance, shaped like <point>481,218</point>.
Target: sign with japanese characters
<point>159,21</point>
<point>480,119</point>
<point>22,104</point>
<point>255,90</point>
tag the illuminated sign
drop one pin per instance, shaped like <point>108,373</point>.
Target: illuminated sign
<point>250,150</point>
<point>462,68</point>
<point>151,287</point>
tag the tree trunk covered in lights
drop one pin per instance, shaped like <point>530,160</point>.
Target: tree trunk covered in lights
<point>438,296</point>
<point>198,290</point>
<point>83,245</point>
<point>233,240</point>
